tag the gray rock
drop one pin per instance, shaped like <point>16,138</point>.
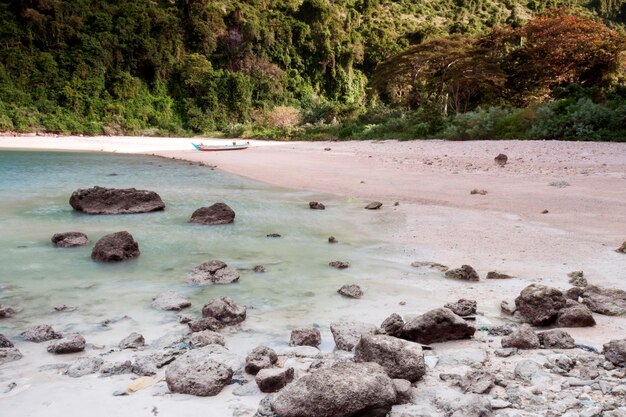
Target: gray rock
<point>348,333</point>
<point>99,200</point>
<point>198,373</point>
<point>464,273</point>
<point>261,357</point>
<point>117,368</point>
<point>9,354</point>
<point>463,307</point>
<point>375,205</point>
<point>400,359</point>
<point>225,310</point>
<point>522,338</point>
<point>115,247</point>
<point>259,269</point>
<point>147,365</point>
<point>561,361</point>
<point>205,323</point>
<point>40,333</point>
<point>69,239</point>
<point>170,301</point>
<point>430,265</point>
<point>132,341</point>
<point>71,343</point>
<point>621,249</point>
<point>274,379</point>
<point>6,311</point>
<point>339,264</point>
<point>392,326</point>
<point>526,370</point>
<point>577,315</point>
<point>438,325</point>
<point>501,330</point>
<point>351,291</point>
<point>470,405</point>
<point>316,205</point>
<point>498,275</point>
<point>474,381</point>
<point>615,352</point>
<point>84,366</point>
<point>205,338</point>
<point>540,304</point>
<point>213,272</point>
<point>404,391</point>
<point>5,342</point>
<point>508,307</point>
<point>343,390</point>
<point>607,301</point>
<point>577,279</point>
<point>556,339</point>
<point>305,336</point>
<point>218,213</point>
<point>505,352</point>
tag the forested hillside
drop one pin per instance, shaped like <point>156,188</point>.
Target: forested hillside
<point>315,68</point>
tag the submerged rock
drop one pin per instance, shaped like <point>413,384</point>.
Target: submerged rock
<point>225,310</point>
<point>261,357</point>
<point>115,247</point>
<point>305,336</point>
<point>332,239</point>
<point>100,200</point>
<point>132,341</point>
<point>615,352</point>
<point>607,301</point>
<point>218,213</point>
<point>431,265</point>
<point>463,307</point>
<point>5,342</point>
<point>556,339</point>
<point>9,354</point>
<point>69,344</point>
<point>170,301</point>
<point>273,380</point>
<point>375,205</point>
<point>348,333</point>
<point>351,291</point>
<point>6,311</point>
<point>400,358</point>
<point>198,372</point>
<point>315,205</point>
<point>524,337</point>
<point>213,272</point>
<point>69,239</point>
<point>540,304</point>
<point>40,333</point>
<point>465,273</point>
<point>577,315</point>
<point>438,325</point>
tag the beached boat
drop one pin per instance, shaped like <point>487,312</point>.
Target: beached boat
<point>211,148</point>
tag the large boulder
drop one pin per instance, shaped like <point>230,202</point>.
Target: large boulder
<point>199,372</point>
<point>6,311</point>
<point>224,310</point>
<point>556,339</point>
<point>100,200</point>
<point>274,379</point>
<point>615,352</point>
<point>218,213</point>
<point>524,337</point>
<point>343,390</point>
<point>577,315</point>
<point>40,333</point>
<point>438,325</point>
<point>400,358</point>
<point>607,301</point>
<point>9,354</point>
<point>115,247</point>
<point>540,304</point>
<point>464,273</point>
<point>348,333</point>
<point>213,272</point>
<point>305,336</point>
<point>71,343</point>
<point>170,301</point>
<point>69,239</point>
<point>261,357</point>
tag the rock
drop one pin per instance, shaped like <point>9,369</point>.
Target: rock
<point>6,311</point>
<point>501,159</point>
<point>577,279</point>
<point>205,338</point>
<point>607,301</point>
<point>259,269</point>
<point>120,393</point>
<point>527,369</point>
<point>470,405</point>
<point>170,301</point>
<point>84,366</point>
<point>399,358</point>
<point>69,344</point>
<point>5,342</point>
<point>314,205</point>
<point>574,293</point>
<point>438,325</point>
<point>501,330</point>
<point>40,333</point>
<point>404,391</point>
<point>478,191</point>
<point>332,239</point>
<point>556,339</point>
<point>225,311</point>
<point>117,368</point>
<point>213,272</point>
<point>392,326</point>
<point>273,380</point>
<point>260,358</point>
<point>498,275</point>
<point>522,338</point>
<point>465,273</point>
<point>540,304</point>
<point>615,352</point>
<point>621,249</point>
<point>147,365</point>
<point>375,205</point>
<point>9,354</point>
<point>431,265</point>
<point>305,336</point>
<point>99,200</point>
<point>273,235</point>
<point>505,352</point>
<point>577,315</point>
<point>343,390</point>
<point>351,291</point>
<point>544,212</point>
<point>475,381</point>
<point>562,362</point>
<point>508,307</point>
<point>463,307</point>
<point>198,373</point>
<point>348,333</point>
<point>115,247</point>
<point>218,213</point>
<point>69,239</point>
<point>205,323</point>
<point>339,264</point>
<point>132,341</point>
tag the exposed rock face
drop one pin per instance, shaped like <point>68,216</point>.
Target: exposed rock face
<point>305,336</point>
<point>218,213</point>
<point>170,301</point>
<point>540,304</point>
<point>607,301</point>
<point>213,272</point>
<point>348,333</point>
<point>40,333</point>
<point>99,200</point>
<point>501,159</point>
<point>399,358</point>
<point>343,390</point>
<point>375,205</point>
<point>6,311</point>
<point>463,307</point>
<point>498,275</point>
<point>205,323</point>
<point>260,358</point>
<point>132,341</point>
<point>431,265</point>
<point>577,315</point>
<point>615,352</point>
<point>69,344</point>
<point>316,205</point>
<point>556,339</point>
<point>224,310</point>
<point>438,325</point>
<point>392,326</point>
<point>339,264</point>
<point>115,247</point>
<point>84,366</point>
<point>9,355</point>
<point>69,239</point>
<point>465,273</point>
<point>273,380</point>
<point>351,291</point>
<point>5,342</point>
<point>205,338</point>
<point>198,372</point>
<point>522,338</point>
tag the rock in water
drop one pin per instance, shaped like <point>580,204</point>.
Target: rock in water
<point>6,311</point>
<point>261,357</point>
<point>205,323</point>
<point>465,273</point>
<point>375,205</point>
<point>348,333</point>
<point>213,272</point>
<point>305,336</point>
<point>170,301</point>
<point>339,264</point>
<point>607,301</point>
<point>40,333</point>
<point>69,344</point>
<point>438,325</point>
<point>99,200</point>
<point>5,342</point>
<point>69,239</point>
<point>501,159</point>
<point>556,339</point>
<point>540,304</point>
<point>315,205</point>
<point>522,338</point>
<point>225,311</point>
<point>498,275</point>
<point>577,315</point>
<point>463,307</point>
<point>351,291</point>
<point>9,355</point>
<point>218,213</point>
<point>205,338</point>
<point>431,265</point>
<point>615,352</point>
<point>132,341</point>
<point>115,247</point>
<point>273,380</point>
<point>343,390</point>
<point>332,239</point>
<point>400,358</point>
<point>198,373</point>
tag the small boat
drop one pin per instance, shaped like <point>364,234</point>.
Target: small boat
<point>212,148</point>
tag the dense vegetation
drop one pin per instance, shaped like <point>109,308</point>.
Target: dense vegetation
<point>315,68</point>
